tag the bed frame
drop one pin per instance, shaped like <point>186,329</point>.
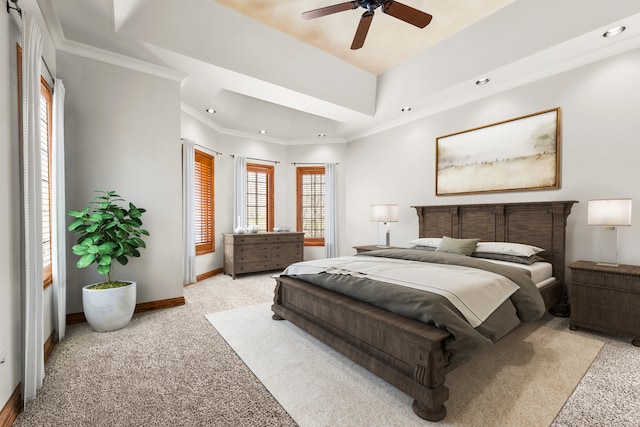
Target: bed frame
<point>407,353</point>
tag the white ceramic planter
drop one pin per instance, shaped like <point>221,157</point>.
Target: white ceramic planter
<point>109,309</point>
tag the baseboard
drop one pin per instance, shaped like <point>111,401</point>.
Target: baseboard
<point>157,305</point>
<point>12,408</point>
<point>74,318</point>
<point>209,274</point>
<point>49,344</point>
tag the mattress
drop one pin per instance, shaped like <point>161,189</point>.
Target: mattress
<point>541,272</point>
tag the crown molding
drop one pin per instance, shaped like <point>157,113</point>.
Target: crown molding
<point>69,46</point>
<point>90,52</point>
<point>207,121</point>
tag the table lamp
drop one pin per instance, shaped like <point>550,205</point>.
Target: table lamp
<point>609,214</point>
<point>385,214</point>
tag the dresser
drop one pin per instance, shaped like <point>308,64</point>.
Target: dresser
<point>252,252</point>
<point>606,299</point>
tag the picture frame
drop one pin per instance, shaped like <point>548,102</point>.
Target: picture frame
<point>519,154</point>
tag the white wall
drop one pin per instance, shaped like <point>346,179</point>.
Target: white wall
<point>10,301</point>
<point>599,155</point>
<point>123,134</point>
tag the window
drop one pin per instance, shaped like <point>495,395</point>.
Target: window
<point>260,196</point>
<point>45,165</point>
<point>310,204</point>
<point>46,129</point>
<point>203,203</point>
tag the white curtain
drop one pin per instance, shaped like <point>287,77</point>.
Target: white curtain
<point>33,355</point>
<point>58,212</point>
<point>188,216</point>
<point>240,193</point>
<point>331,212</point>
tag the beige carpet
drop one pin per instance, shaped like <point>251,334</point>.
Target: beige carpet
<point>523,380</point>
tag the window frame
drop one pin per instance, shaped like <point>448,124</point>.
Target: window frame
<point>209,245</point>
<point>269,171</point>
<point>300,173</point>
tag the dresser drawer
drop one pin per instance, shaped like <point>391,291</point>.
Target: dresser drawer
<point>258,238</point>
<point>604,297</point>
<point>268,247</point>
<point>607,320</point>
<point>610,280</point>
<point>265,256</point>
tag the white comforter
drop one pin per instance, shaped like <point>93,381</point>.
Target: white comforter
<point>475,293</point>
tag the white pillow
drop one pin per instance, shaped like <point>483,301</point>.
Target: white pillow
<point>433,242</point>
<point>517,249</point>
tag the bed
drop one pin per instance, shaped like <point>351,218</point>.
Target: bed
<point>410,354</point>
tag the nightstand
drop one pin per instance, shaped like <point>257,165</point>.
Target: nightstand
<point>367,248</point>
<point>606,299</point>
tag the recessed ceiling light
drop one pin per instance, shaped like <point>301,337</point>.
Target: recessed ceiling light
<point>614,31</point>
<point>262,132</point>
<point>482,81</point>
<point>405,109</point>
<point>210,111</point>
<point>322,135</point>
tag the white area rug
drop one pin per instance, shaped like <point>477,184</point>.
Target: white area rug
<point>522,381</point>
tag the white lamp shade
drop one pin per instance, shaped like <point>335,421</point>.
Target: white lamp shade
<point>609,212</point>
<point>384,213</point>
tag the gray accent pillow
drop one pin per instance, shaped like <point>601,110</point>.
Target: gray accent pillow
<point>457,246</point>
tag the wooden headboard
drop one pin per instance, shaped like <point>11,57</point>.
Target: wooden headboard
<point>541,224</point>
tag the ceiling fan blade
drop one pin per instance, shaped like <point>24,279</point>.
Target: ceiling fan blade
<point>323,11</point>
<point>407,14</point>
<point>363,29</point>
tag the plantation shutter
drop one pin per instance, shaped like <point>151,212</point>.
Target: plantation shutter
<point>45,177</point>
<point>260,196</point>
<point>311,204</point>
<point>203,203</point>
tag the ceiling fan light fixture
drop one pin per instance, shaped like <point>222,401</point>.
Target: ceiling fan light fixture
<point>393,8</point>
<point>614,31</point>
<point>481,82</point>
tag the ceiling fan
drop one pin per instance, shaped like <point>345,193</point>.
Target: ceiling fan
<point>390,7</point>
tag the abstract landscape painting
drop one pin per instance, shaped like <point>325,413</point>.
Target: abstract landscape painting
<point>516,154</point>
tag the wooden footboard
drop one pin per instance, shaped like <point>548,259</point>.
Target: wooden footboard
<point>404,352</point>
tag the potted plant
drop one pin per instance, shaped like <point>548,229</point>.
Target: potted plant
<point>109,230</point>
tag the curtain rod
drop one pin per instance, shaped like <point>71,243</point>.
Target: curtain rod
<point>217,153</point>
<point>259,160</point>
<point>16,7</point>
<point>309,163</point>
<point>19,10</point>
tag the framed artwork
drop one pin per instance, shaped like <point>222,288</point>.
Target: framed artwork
<point>514,155</point>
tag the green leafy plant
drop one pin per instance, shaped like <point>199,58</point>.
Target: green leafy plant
<point>108,231</point>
